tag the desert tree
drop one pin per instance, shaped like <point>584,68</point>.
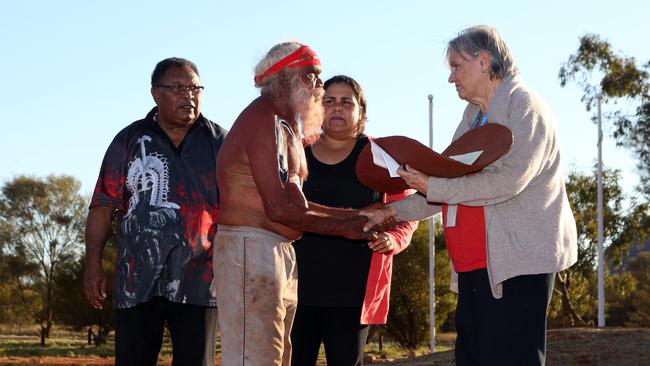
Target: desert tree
<point>621,81</point>
<point>44,219</point>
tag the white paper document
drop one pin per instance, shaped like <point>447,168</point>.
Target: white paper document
<point>468,158</point>
<point>381,158</point>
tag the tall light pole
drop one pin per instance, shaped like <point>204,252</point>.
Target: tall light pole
<point>601,259</point>
<point>432,253</point>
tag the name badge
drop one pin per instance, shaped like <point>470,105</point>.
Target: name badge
<point>451,215</point>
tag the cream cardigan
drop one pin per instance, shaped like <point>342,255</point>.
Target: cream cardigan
<point>530,226</point>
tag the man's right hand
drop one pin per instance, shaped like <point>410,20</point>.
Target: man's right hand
<point>354,226</point>
<point>98,224</point>
<point>381,219</point>
<point>95,285</point>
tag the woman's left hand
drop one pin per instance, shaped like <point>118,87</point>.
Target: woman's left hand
<point>414,178</point>
<point>382,243</point>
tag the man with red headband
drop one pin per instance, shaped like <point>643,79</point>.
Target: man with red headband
<point>261,167</point>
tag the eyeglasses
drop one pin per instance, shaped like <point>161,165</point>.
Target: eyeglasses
<point>182,89</point>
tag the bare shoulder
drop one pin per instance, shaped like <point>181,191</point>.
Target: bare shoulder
<point>252,128</point>
<point>258,114</point>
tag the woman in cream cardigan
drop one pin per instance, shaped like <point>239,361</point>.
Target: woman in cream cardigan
<point>508,228</point>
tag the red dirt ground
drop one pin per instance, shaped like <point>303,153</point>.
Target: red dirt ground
<point>573,346</point>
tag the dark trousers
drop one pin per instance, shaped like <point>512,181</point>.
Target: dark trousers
<point>339,330</point>
<point>506,331</point>
<point>139,333</point>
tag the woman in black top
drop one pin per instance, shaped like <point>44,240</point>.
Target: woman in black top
<point>333,271</point>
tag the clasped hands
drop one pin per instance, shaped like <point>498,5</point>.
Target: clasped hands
<point>381,218</point>
<point>379,222</point>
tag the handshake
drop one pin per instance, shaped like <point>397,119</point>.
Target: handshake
<point>372,223</point>
<point>379,217</point>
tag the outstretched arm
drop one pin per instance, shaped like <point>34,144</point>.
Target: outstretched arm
<point>412,208</point>
<point>333,211</point>
<point>276,159</point>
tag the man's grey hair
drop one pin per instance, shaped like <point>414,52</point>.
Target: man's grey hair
<point>471,41</point>
<point>275,54</point>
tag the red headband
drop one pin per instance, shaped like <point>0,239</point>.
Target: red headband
<point>295,59</point>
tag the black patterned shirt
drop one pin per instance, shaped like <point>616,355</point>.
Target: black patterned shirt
<point>166,200</point>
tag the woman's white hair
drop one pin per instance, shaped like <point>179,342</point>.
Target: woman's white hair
<point>472,40</point>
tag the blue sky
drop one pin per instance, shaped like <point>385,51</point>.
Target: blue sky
<point>77,72</point>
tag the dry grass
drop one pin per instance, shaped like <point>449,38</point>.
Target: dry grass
<point>573,347</point>
<point>566,347</point>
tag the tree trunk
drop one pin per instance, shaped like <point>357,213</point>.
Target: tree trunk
<point>49,313</point>
<point>48,327</point>
<point>382,354</point>
<point>42,336</point>
<point>90,335</point>
<point>102,335</point>
<point>567,306</point>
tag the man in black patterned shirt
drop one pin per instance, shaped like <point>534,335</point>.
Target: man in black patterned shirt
<point>158,180</point>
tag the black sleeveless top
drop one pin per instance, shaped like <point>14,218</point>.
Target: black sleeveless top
<point>332,271</point>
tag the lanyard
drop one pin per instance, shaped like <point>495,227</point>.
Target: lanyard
<point>480,120</point>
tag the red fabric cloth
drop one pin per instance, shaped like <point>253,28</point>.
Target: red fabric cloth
<point>376,301</point>
<point>466,240</point>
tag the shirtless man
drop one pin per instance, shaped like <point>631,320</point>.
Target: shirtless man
<point>261,167</point>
